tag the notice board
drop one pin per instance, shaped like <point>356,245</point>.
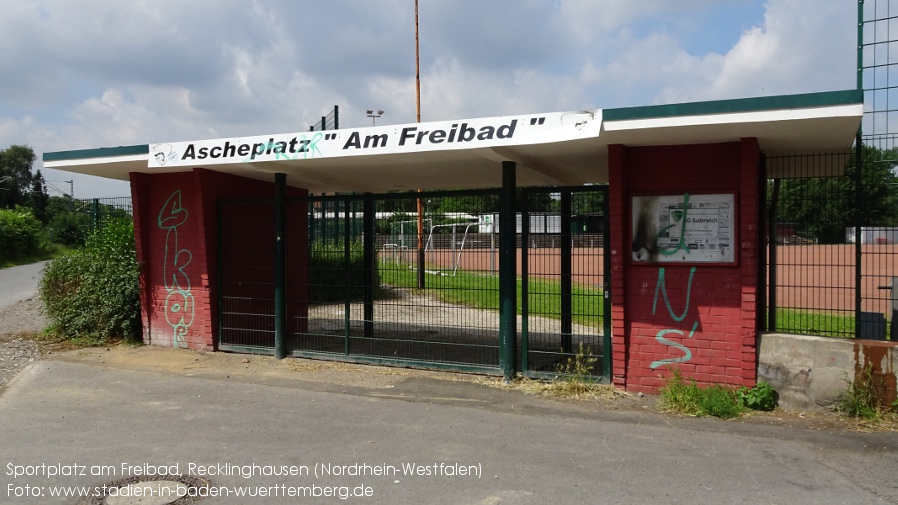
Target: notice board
<point>684,228</point>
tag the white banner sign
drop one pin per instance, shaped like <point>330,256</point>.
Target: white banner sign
<point>415,137</point>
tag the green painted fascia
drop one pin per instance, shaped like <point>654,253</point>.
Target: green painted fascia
<point>741,105</point>
<point>103,152</point>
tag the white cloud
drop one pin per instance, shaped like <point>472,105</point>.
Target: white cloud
<point>802,46</point>
<point>101,72</point>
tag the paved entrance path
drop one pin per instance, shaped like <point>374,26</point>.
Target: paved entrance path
<point>525,449</point>
<point>19,283</point>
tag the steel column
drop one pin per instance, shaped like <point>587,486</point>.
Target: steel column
<point>508,272</point>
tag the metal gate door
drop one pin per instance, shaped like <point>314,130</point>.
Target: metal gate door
<point>565,301</point>
<point>374,297</point>
<point>246,251</point>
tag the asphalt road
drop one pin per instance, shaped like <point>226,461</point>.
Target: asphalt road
<point>19,283</point>
<point>94,418</point>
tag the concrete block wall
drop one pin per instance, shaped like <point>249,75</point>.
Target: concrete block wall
<point>809,373</point>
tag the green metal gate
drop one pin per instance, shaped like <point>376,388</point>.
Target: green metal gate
<point>372,300</point>
<point>369,294</point>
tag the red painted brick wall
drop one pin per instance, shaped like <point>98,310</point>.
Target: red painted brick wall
<point>706,323</point>
<point>175,218</point>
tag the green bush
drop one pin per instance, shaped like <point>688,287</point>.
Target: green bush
<point>720,401</point>
<point>94,292</point>
<point>68,228</point>
<point>20,233</point>
<point>760,397</point>
<point>328,271</point>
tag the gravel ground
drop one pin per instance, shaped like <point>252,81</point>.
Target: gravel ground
<point>16,350</point>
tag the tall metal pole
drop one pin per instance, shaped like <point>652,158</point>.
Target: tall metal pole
<point>858,177</point>
<point>418,119</point>
<point>417,70</point>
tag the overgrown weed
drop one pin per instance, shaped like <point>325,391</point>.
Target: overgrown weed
<point>862,399</point>
<point>686,397</point>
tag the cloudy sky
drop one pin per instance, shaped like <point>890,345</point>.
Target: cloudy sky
<point>102,73</point>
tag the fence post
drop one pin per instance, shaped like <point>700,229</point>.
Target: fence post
<point>858,202</point>
<point>566,268</point>
<point>507,272</point>
<point>347,278</point>
<point>773,234</point>
<point>525,288</point>
<point>370,259</point>
<point>606,287</point>
<point>95,210</point>
<point>280,266</point>
<point>763,240</point>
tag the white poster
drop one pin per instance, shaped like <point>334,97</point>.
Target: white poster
<point>684,228</point>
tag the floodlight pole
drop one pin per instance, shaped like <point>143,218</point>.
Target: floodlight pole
<point>374,115</point>
<point>418,119</point>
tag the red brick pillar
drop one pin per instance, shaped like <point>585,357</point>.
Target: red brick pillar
<point>695,316</point>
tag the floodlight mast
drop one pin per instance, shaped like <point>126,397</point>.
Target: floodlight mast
<point>374,115</point>
<point>418,119</point>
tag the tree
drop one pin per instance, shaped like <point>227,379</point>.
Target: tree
<point>15,176</point>
<point>39,197</point>
<point>824,207</point>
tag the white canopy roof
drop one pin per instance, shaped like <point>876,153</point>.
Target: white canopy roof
<point>555,149</point>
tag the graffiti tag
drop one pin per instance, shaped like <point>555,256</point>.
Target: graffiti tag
<point>661,287</point>
<point>179,301</point>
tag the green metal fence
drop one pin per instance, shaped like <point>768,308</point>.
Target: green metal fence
<point>832,243</point>
<point>71,220</point>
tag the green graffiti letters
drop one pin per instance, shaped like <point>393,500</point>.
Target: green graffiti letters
<point>179,301</point>
<point>679,218</point>
<point>298,148</point>
<point>661,287</point>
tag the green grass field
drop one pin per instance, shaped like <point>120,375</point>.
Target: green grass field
<point>544,299</point>
<point>808,322</point>
<point>482,291</point>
